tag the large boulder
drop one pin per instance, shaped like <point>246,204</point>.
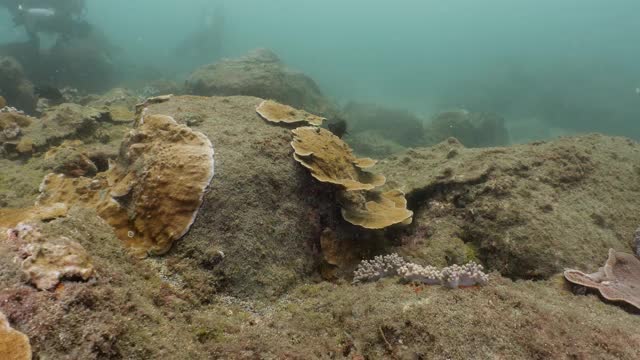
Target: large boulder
<point>398,126</point>
<point>262,74</point>
<point>472,129</point>
<point>527,211</point>
<point>258,225</point>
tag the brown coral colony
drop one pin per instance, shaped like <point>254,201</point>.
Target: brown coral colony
<point>331,160</point>
<point>279,113</point>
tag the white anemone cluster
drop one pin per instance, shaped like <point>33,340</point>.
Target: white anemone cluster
<point>423,274</point>
<point>381,266</point>
<point>9,109</point>
<point>453,276</point>
<point>466,275</point>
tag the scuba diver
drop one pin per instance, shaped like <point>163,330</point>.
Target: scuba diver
<point>62,18</point>
<point>62,48</point>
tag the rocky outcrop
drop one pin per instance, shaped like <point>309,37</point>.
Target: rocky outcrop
<point>262,74</point>
<point>528,211</point>
<point>470,128</point>
<point>398,127</point>
<point>258,225</point>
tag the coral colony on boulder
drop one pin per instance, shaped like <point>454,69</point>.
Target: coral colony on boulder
<point>453,276</point>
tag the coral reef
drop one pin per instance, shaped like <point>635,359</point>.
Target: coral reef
<point>260,73</point>
<point>149,309</point>
<point>247,271</point>
<point>14,345</point>
<point>3,102</point>
<point>155,187</point>
<point>275,112</point>
<point>617,280</point>
<point>49,260</point>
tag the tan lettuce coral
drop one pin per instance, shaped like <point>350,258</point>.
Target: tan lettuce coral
<point>375,210</point>
<point>152,193</point>
<point>14,345</point>
<point>49,260</point>
<point>279,113</point>
<point>331,160</point>
<point>3,102</point>
<point>617,280</point>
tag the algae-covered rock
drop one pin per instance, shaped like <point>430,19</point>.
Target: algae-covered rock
<point>48,260</point>
<point>528,210</point>
<point>119,102</point>
<point>65,121</point>
<point>70,159</point>
<point>12,127</point>
<point>260,74</point>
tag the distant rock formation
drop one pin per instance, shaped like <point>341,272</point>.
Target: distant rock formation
<point>262,74</point>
